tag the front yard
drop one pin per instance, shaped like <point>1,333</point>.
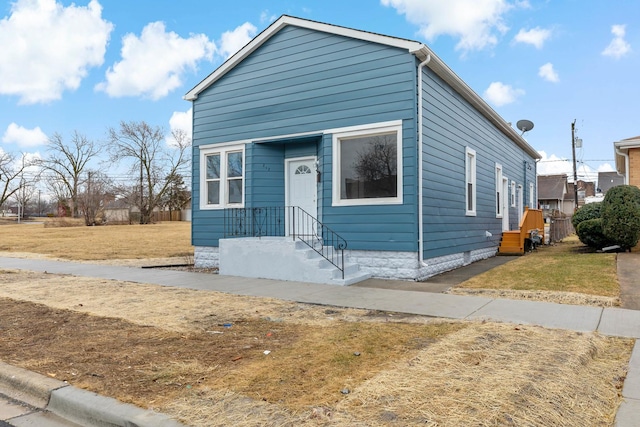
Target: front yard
<point>213,359</point>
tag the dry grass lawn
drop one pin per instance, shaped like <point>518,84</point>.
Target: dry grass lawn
<point>167,239</point>
<point>287,364</point>
<point>566,272</point>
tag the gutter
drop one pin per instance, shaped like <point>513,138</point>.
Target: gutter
<point>626,164</point>
<point>420,190</point>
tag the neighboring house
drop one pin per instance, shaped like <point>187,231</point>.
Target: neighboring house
<point>555,195</point>
<point>585,189</point>
<point>607,180</point>
<point>628,160</point>
<point>373,136</point>
<point>117,212</point>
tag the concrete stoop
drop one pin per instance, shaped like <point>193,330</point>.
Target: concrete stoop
<point>71,406</point>
<point>281,258</point>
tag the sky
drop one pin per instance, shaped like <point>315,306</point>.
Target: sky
<point>85,66</point>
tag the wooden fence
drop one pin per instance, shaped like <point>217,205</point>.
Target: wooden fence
<point>167,216</point>
<point>559,228</point>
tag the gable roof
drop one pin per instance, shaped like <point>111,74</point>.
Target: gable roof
<point>420,50</point>
<point>552,187</point>
<point>607,180</point>
<point>621,149</point>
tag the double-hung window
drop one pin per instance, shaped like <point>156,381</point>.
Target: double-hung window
<point>222,177</point>
<point>470,179</point>
<point>367,165</point>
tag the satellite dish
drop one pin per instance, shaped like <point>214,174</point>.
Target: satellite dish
<point>524,126</point>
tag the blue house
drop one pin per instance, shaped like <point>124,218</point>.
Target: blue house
<point>364,148</point>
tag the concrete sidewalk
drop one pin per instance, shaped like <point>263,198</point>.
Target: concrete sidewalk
<point>608,321</point>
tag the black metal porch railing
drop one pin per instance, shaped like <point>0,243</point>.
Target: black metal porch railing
<point>289,221</point>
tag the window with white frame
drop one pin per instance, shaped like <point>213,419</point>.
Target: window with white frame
<point>470,178</point>
<point>367,166</point>
<point>499,195</point>
<point>222,177</point>
<point>513,194</point>
<point>532,197</point>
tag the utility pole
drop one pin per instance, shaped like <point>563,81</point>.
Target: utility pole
<point>575,173</point>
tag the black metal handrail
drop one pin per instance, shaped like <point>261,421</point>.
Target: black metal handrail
<point>291,221</point>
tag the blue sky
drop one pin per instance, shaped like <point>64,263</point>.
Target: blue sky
<point>86,65</point>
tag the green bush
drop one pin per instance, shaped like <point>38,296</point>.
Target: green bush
<point>590,233</point>
<point>620,215</point>
<point>588,211</point>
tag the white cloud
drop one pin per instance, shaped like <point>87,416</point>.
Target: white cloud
<point>233,41</point>
<point>267,17</point>
<point>548,73</point>
<point>24,137</point>
<point>535,36</point>
<point>618,46</point>
<point>501,94</point>
<point>48,48</point>
<point>153,64</point>
<point>180,121</point>
<point>606,167</point>
<point>474,22</point>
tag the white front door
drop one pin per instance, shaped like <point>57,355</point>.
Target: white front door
<point>302,191</point>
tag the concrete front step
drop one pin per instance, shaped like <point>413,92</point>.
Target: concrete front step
<point>282,258</point>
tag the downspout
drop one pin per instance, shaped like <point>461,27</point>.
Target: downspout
<point>420,166</point>
<point>626,165</point>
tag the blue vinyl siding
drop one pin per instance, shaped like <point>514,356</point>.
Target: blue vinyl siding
<point>450,124</point>
<point>305,81</point>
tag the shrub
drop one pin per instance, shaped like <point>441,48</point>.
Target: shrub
<point>590,233</point>
<point>588,211</point>
<point>620,214</point>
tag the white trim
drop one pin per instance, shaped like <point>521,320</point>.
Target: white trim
<point>214,147</point>
<point>520,202</point>
<point>470,154</point>
<point>532,197</point>
<point>356,131</point>
<point>222,150</point>
<point>505,204</point>
<point>420,161</point>
<point>366,128</point>
<point>513,194</point>
<point>498,201</point>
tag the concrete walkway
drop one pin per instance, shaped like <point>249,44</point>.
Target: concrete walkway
<point>617,322</point>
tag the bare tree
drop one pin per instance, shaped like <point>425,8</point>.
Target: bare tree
<point>24,196</point>
<point>94,194</point>
<point>152,157</point>
<point>12,174</point>
<point>67,162</point>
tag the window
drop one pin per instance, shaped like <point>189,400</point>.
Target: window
<point>222,182</point>
<point>470,178</point>
<point>367,166</point>
<point>513,194</point>
<point>499,195</point>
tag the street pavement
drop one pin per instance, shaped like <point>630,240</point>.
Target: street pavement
<point>619,322</point>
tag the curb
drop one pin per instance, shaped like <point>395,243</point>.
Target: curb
<point>76,405</point>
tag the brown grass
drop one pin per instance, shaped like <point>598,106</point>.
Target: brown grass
<point>167,349</point>
<point>167,239</point>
